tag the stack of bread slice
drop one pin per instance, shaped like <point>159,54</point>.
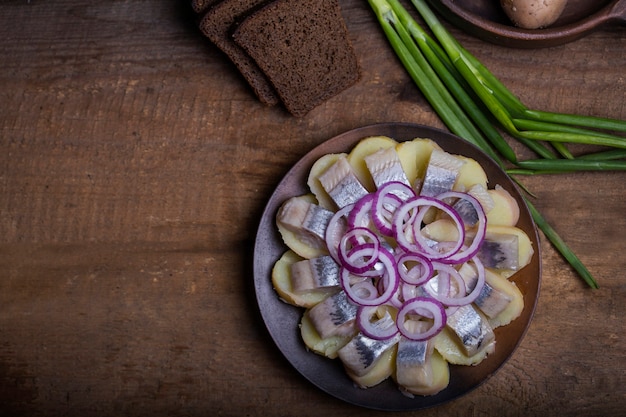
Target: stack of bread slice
<point>294,52</point>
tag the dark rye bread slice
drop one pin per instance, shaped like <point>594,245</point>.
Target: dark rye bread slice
<point>303,47</point>
<point>216,25</point>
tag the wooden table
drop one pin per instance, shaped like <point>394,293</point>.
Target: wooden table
<point>134,166</point>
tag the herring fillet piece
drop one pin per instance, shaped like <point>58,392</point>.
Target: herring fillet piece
<point>471,329</point>
<point>316,273</point>
<point>335,316</point>
<point>384,165</point>
<point>490,300</point>
<point>307,220</point>
<point>413,366</point>
<point>441,173</point>
<point>480,193</point>
<point>500,251</point>
<point>341,184</point>
<point>467,211</point>
<point>361,353</point>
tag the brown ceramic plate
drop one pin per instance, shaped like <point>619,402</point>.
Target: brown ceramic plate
<point>282,319</point>
<point>486,20</point>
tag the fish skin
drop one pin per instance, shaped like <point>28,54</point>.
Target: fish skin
<point>467,211</point>
<point>307,220</point>
<point>316,220</point>
<point>413,366</point>
<point>362,352</point>
<point>441,173</point>
<point>437,181</point>
<point>500,252</point>
<point>480,193</point>
<point>316,273</point>
<point>385,166</point>
<point>335,316</point>
<point>471,329</point>
<point>341,184</point>
<point>469,275</point>
<point>492,301</point>
<point>412,352</point>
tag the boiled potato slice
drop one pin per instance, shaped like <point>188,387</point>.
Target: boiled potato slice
<point>326,347</point>
<point>470,174</point>
<point>442,230</point>
<point>505,211</point>
<point>281,280</point>
<point>365,147</point>
<point>446,344</point>
<point>414,156</point>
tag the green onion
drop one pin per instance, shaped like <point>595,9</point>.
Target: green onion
<point>571,165</point>
<point>506,108</point>
<point>562,149</point>
<point>616,142</point>
<point>605,155</point>
<point>525,124</point>
<point>470,99</point>
<point>438,62</point>
<point>536,147</point>
<point>440,101</point>
<point>560,245</point>
<point>521,171</point>
<point>577,120</point>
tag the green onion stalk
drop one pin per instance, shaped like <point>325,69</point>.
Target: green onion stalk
<point>476,106</point>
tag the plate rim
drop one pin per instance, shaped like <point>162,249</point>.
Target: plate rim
<point>320,370</point>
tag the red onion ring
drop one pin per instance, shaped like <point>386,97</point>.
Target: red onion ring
<point>387,197</point>
<point>418,274</point>
<point>335,229</point>
<point>400,189</point>
<point>360,215</point>
<point>363,254</point>
<point>403,220</point>
<point>382,212</point>
<point>425,307</point>
<point>408,217</point>
<point>465,298</point>
<point>372,276</point>
<point>443,252</point>
<point>360,292</point>
<point>481,227</point>
<point>382,329</point>
<point>388,279</point>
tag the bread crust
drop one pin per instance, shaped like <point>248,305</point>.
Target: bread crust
<point>216,25</point>
<point>303,48</point>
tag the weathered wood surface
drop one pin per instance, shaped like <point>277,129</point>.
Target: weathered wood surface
<point>134,165</point>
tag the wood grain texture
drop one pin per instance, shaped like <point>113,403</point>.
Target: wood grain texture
<point>134,166</point>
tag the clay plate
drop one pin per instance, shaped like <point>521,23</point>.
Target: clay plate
<point>282,319</point>
<point>486,20</point>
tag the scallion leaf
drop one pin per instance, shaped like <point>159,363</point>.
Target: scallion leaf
<point>571,165</point>
<point>470,99</point>
<point>561,246</point>
<point>605,155</point>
